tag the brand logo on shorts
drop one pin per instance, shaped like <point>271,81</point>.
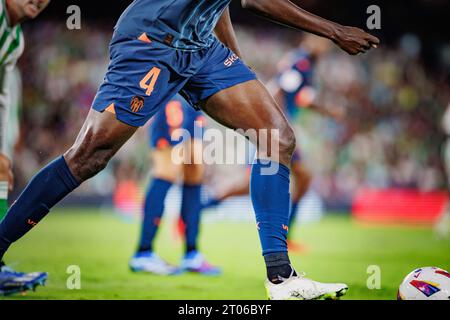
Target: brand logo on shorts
<point>137,104</point>
<point>232,59</point>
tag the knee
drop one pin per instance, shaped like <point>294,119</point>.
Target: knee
<point>87,159</point>
<point>192,170</point>
<point>287,142</point>
<point>193,174</point>
<point>167,172</point>
<point>281,146</point>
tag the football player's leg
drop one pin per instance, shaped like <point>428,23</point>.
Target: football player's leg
<point>191,199</point>
<point>249,106</point>
<point>238,189</point>
<point>136,86</point>
<point>5,163</point>
<point>442,227</point>
<point>229,92</point>
<point>100,138</point>
<point>190,153</point>
<point>5,183</point>
<point>9,132</point>
<point>301,183</point>
<point>165,173</point>
<point>191,207</point>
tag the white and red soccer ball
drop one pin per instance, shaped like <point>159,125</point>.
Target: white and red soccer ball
<point>428,283</point>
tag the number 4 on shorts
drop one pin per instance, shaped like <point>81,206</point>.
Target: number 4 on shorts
<point>149,81</point>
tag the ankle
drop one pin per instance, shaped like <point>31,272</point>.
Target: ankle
<point>144,252</point>
<point>191,249</point>
<point>278,267</point>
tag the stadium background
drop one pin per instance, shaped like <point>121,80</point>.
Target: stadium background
<point>391,138</point>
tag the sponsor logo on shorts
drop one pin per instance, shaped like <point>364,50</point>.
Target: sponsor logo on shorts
<point>137,103</point>
<point>231,60</point>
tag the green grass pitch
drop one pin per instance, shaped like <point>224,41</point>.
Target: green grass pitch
<point>101,244</point>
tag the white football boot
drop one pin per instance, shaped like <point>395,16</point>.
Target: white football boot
<point>152,263</point>
<point>301,288</point>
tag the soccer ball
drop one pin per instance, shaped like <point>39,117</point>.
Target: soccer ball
<point>428,283</point>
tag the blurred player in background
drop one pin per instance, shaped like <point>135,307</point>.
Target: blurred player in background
<point>170,128</point>
<point>160,49</point>
<point>294,90</point>
<point>443,226</point>
<point>12,13</point>
<point>12,98</point>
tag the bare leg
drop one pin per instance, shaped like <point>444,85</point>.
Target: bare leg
<point>250,106</point>
<point>100,138</point>
<point>193,172</point>
<point>302,181</point>
<point>241,189</point>
<point>163,167</point>
<point>5,170</point>
<point>98,141</point>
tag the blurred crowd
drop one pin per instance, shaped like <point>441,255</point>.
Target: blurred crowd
<point>390,135</point>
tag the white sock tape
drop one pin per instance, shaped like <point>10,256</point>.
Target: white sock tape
<point>3,190</point>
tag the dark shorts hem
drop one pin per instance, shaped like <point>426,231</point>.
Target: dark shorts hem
<point>209,93</point>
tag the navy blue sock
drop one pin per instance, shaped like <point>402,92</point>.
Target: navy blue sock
<point>45,190</point>
<point>153,211</point>
<point>271,201</point>
<point>191,208</point>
